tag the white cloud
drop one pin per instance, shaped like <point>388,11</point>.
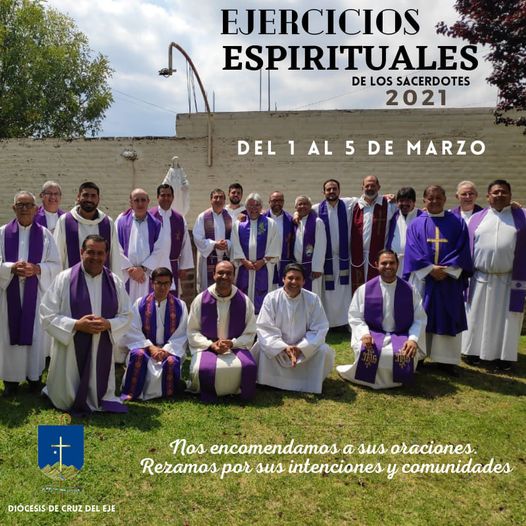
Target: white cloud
<point>135,35</point>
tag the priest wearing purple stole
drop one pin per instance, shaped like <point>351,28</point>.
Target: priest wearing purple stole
<point>335,212</point>
<point>221,329</point>
<point>82,220</point>
<point>310,243</point>
<point>176,240</point>
<point>86,311</point>
<point>211,233</point>
<point>438,263</point>
<point>48,213</point>
<point>256,249</point>
<point>498,286</point>
<point>29,261</point>
<point>388,326</point>
<point>142,244</point>
<point>285,228</point>
<point>157,342</point>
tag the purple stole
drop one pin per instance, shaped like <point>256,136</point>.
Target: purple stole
<point>457,212</point>
<point>343,227</point>
<point>40,216</point>
<point>236,327</point>
<point>309,240</point>
<point>211,260</point>
<point>177,236</point>
<point>21,312</point>
<point>124,230</point>
<point>518,273</point>
<point>138,361</point>
<point>72,238</point>
<point>287,247</point>
<point>80,306</point>
<point>261,282</point>
<point>442,300</point>
<point>373,315</point>
<point>392,227</point>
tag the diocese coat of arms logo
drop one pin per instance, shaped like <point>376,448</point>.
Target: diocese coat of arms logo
<point>60,451</point>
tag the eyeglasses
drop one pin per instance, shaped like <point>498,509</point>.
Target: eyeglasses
<point>162,283</point>
<point>140,200</point>
<point>52,194</point>
<point>21,206</point>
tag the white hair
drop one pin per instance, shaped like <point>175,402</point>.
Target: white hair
<point>24,192</point>
<point>50,184</point>
<point>254,196</point>
<point>305,197</point>
<point>467,183</point>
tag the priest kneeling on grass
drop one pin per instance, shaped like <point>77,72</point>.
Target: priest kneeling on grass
<point>388,329</point>
<point>291,328</point>
<point>221,329</point>
<point>157,342</point>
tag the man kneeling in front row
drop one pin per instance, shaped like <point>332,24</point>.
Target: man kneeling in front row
<point>157,342</point>
<point>291,328</point>
<point>221,329</point>
<point>388,329</point>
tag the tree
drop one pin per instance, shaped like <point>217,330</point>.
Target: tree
<point>50,86</point>
<point>501,25</point>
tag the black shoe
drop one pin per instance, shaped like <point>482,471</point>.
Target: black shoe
<point>35,386</point>
<point>473,360</point>
<point>450,369</point>
<point>10,389</point>
<point>503,365</point>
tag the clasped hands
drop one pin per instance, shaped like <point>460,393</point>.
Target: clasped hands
<point>221,346</point>
<point>92,324</point>
<point>24,269</point>
<point>293,353</point>
<point>137,274</point>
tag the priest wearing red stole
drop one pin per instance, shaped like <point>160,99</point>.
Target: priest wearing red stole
<point>388,326</point>
<point>157,342</point>
<point>29,261</point>
<point>221,329</point>
<point>438,263</point>
<point>85,311</point>
<point>369,219</point>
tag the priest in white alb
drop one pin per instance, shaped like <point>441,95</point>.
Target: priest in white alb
<point>156,341</point>
<point>310,243</point>
<point>142,244</point>
<point>291,328</point>
<point>255,249</point>
<point>495,307</point>
<point>85,311</point>
<point>29,261</point>
<point>212,230</point>
<point>82,220</point>
<point>388,324</point>
<point>221,330</point>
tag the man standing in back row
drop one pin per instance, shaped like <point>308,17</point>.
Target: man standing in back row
<point>498,286</point>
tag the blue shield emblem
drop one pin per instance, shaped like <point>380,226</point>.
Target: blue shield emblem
<point>60,451</point>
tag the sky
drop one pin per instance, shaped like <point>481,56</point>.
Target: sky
<point>135,35</point>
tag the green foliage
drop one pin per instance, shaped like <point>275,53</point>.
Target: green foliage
<point>50,86</point>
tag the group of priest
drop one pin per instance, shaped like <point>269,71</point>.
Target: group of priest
<point>296,272</point>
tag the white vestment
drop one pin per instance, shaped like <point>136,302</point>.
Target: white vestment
<point>51,220</point>
<point>272,252</point>
<point>400,232</point>
<point>416,333</point>
<point>55,313</point>
<point>493,331</point>
<point>318,255</point>
<point>86,228</point>
<point>176,345</point>
<point>139,254</point>
<point>234,212</point>
<point>336,302</point>
<point>299,321</point>
<point>206,246</point>
<point>279,229</point>
<point>18,362</point>
<point>228,368</point>
<point>368,210</point>
<point>177,179</point>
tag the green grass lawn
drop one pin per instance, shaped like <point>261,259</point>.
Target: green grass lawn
<point>479,408</point>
